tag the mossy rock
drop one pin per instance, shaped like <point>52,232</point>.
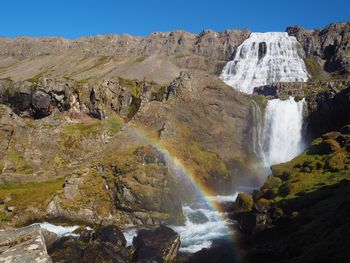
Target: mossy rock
<point>345,130</point>
<point>21,165</point>
<point>292,188</point>
<point>337,162</point>
<point>326,147</point>
<point>244,203</point>
<point>272,182</point>
<point>331,135</point>
<point>263,205</point>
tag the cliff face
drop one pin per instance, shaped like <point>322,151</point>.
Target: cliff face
<point>327,50</point>
<point>86,144</point>
<point>158,57</point>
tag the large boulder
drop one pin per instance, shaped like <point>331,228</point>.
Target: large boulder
<point>107,244</point>
<point>25,244</point>
<point>159,245</point>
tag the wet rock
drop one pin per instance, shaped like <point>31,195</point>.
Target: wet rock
<point>159,245</point>
<point>25,244</point>
<point>111,234</point>
<point>107,244</point>
<point>220,252</point>
<point>66,249</point>
<point>49,237</point>
<point>252,222</point>
<point>244,203</point>
<point>198,217</point>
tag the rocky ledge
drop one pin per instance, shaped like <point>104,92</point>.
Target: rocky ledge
<point>23,245</point>
<point>105,244</point>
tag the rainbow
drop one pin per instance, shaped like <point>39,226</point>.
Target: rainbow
<point>202,190</point>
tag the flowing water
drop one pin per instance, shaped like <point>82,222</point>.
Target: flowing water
<point>202,225</point>
<point>281,137</point>
<point>265,58</point>
<point>262,59</point>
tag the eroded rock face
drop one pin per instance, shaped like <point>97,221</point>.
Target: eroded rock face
<point>26,244</point>
<point>328,111</point>
<point>329,47</point>
<point>159,245</point>
<point>135,188</point>
<point>37,99</point>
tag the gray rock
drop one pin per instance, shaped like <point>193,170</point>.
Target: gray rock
<point>23,245</point>
<point>159,245</point>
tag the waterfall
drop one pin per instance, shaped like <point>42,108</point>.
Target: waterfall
<point>258,129</point>
<point>262,59</point>
<point>281,138</point>
<point>265,58</point>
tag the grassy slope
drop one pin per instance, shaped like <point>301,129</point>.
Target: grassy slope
<point>312,195</point>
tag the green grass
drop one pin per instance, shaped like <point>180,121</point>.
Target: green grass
<point>308,172</point>
<point>22,167</point>
<point>1,165</point>
<point>205,165</point>
<point>36,78</point>
<point>158,95</point>
<point>29,195</point>
<point>112,124</point>
<point>314,69</point>
<point>260,100</point>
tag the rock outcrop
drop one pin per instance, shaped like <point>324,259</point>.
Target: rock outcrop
<point>106,244</point>
<point>39,98</point>
<point>85,144</point>
<point>300,213</point>
<point>159,245</point>
<point>159,56</point>
<point>23,245</point>
<point>328,110</point>
<point>326,49</point>
<point>308,90</point>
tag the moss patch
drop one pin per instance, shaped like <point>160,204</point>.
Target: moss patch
<point>207,166</point>
<point>35,195</point>
<point>324,163</point>
<point>22,167</point>
<point>314,69</point>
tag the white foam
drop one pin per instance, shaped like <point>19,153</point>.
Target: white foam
<point>282,134</point>
<point>196,236</point>
<point>59,230</point>
<point>223,198</point>
<point>281,62</point>
<point>129,234</point>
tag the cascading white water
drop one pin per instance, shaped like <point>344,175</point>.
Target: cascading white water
<point>281,138</point>
<point>265,58</point>
<point>262,59</point>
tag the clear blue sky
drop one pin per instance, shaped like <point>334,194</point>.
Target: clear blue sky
<point>74,18</point>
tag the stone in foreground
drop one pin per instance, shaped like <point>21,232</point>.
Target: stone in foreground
<point>159,245</point>
<point>24,245</point>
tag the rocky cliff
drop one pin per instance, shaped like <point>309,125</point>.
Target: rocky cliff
<point>327,49</point>
<point>159,57</point>
<point>90,146</point>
